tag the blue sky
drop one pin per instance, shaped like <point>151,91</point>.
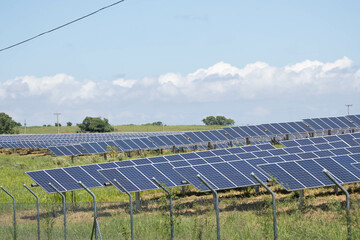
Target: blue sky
<point>180,61</point>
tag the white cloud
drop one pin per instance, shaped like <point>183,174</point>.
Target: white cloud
<point>220,82</point>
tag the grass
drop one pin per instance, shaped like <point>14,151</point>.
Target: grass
<point>244,214</point>
<point>118,128</point>
<point>239,219</point>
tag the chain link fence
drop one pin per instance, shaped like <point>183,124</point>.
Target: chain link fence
<point>194,218</point>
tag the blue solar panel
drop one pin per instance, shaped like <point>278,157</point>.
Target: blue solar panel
<point>175,157</point>
<point>262,154</point>
<point>265,146</point>
<point>125,163</point>
<point>304,177</point>
<point>246,155</point>
<point>307,155</point>
<point>180,163</point>
<point>251,148</point>
<point>43,179</point>
<point>337,170</point>
<point>339,144</point>
<point>190,174</point>
<point>290,157</point>
<point>277,152</point>
<point>189,155</point>
<point>207,154</point>
<point>290,143</point>
<point>150,172</point>
<point>282,177</point>
<point>80,175</point>
<point>137,178</point>
<point>93,171</point>
<point>273,159</point>
<point>353,149</point>
<point>213,159</point>
<point>246,169</point>
<point>219,180</point>
<point>340,151</point>
<point>236,150</point>
<point>355,156</point>
<point>197,161</point>
<point>111,174</point>
<point>323,153</point>
<point>293,150</point>
<point>230,157</point>
<point>63,178</point>
<point>318,140</point>
<point>324,146</point>
<point>157,159</point>
<point>168,170</point>
<point>220,152</point>
<point>309,148</point>
<point>141,161</point>
<point>233,175</point>
<point>303,142</point>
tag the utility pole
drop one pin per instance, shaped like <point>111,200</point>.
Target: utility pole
<point>57,118</point>
<point>24,126</point>
<point>348,107</point>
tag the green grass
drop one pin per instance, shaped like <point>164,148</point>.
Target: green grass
<point>118,128</point>
<point>239,219</point>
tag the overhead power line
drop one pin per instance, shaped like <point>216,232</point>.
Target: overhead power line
<point>64,25</point>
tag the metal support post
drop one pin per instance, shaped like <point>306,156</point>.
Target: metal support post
<point>131,207</point>
<point>64,207</point>
<point>216,205</point>
<point>14,217</point>
<point>336,190</point>
<point>301,194</point>
<point>37,208</point>
<point>95,227</point>
<point>137,201</point>
<point>183,191</point>
<point>273,203</point>
<point>256,189</point>
<point>171,206</point>
<point>327,173</point>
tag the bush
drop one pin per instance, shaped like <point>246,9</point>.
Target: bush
<point>95,124</point>
<point>218,120</point>
<point>7,124</point>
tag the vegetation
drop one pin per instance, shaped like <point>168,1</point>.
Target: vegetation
<point>69,124</point>
<point>95,124</point>
<point>218,120</point>
<point>7,124</point>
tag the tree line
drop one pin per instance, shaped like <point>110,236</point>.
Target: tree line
<point>97,124</point>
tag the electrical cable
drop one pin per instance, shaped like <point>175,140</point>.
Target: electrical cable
<point>64,25</point>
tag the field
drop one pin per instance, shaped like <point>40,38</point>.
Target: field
<point>244,213</point>
<point>118,128</point>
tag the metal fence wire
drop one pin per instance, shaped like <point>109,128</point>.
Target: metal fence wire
<point>194,218</point>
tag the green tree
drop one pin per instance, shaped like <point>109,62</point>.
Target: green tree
<point>7,124</point>
<point>56,124</point>
<point>69,124</point>
<point>218,120</point>
<point>95,124</point>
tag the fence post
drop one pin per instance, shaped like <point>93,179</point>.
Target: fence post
<point>301,194</point>
<point>273,203</point>
<point>64,207</point>
<point>327,173</point>
<point>216,204</point>
<point>96,224</point>
<point>171,206</point>
<point>131,207</point>
<point>15,236</point>
<point>37,208</point>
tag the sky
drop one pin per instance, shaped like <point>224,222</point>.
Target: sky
<point>180,61</point>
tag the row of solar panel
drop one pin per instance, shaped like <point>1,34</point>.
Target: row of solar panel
<point>308,125</point>
<point>200,138</point>
<point>233,162</point>
<point>264,130</point>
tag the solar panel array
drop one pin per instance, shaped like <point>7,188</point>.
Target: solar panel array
<point>222,168</point>
<point>86,143</point>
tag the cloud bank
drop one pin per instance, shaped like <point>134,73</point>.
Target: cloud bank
<point>218,82</point>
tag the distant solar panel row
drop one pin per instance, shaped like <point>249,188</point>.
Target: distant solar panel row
<point>223,168</point>
<point>78,144</point>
